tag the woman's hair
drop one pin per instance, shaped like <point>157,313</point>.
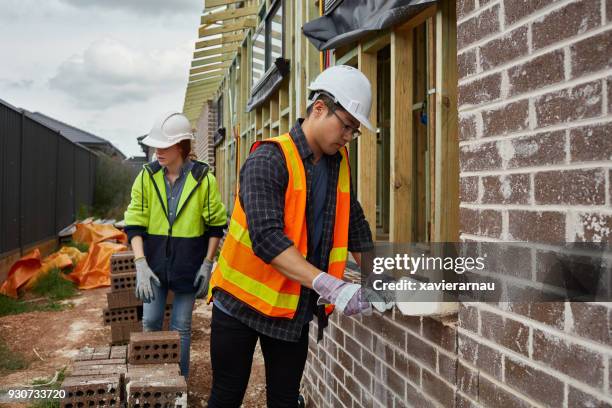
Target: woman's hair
<point>185,147</point>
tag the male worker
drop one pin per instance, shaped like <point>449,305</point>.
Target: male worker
<point>294,221</point>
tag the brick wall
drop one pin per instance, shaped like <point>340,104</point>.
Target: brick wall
<point>535,116</point>
<point>206,127</point>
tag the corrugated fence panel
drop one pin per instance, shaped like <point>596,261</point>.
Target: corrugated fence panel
<point>10,165</point>
<point>66,208</point>
<point>44,180</point>
<point>38,182</point>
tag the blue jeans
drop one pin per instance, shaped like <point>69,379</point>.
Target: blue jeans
<point>182,308</point>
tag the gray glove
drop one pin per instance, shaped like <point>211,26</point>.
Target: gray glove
<point>144,276</point>
<point>202,279</point>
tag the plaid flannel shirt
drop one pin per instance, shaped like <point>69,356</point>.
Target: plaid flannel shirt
<point>263,183</point>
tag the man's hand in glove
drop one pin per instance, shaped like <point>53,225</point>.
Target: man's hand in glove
<point>144,277</point>
<point>345,296</point>
<point>202,278</point>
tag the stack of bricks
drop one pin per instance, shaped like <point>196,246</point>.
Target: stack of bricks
<point>153,378</point>
<point>124,312</point>
<point>96,379</point>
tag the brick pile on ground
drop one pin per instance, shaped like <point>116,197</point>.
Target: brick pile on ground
<point>124,312</point>
<point>153,378</point>
<point>96,378</point>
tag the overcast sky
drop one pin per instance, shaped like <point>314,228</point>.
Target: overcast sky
<point>109,67</point>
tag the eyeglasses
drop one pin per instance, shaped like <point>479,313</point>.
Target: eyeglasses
<point>355,132</point>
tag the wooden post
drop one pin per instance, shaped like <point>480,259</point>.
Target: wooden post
<point>401,182</point>
<point>446,222</point>
<point>366,179</point>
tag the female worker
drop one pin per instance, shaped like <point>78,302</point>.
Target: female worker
<point>174,223</point>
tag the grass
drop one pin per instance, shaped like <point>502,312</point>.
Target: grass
<point>10,360</point>
<point>54,286</point>
<point>51,287</point>
<point>49,403</point>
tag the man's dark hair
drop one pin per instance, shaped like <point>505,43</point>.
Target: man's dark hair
<point>327,100</point>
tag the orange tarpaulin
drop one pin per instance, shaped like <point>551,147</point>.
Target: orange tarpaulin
<point>94,233</point>
<point>26,271</point>
<point>21,272</point>
<point>94,270</point>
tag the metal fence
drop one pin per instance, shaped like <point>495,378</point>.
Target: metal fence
<point>44,180</point>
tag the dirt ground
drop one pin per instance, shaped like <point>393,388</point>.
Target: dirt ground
<point>49,340</point>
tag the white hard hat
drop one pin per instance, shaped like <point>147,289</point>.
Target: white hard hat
<point>170,129</point>
<point>349,87</point>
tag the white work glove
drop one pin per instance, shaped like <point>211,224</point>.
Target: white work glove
<point>345,296</point>
<point>203,278</point>
<point>144,277</point>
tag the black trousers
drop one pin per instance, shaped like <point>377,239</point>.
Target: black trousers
<point>232,345</point>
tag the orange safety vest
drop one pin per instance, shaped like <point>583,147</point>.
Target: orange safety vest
<point>245,276</point>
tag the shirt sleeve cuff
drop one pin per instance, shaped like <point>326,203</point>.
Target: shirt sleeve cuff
<point>216,231</point>
<point>134,231</point>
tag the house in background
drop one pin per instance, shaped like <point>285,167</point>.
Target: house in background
<point>80,136</point>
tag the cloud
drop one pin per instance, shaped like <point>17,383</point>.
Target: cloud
<point>19,84</point>
<point>150,7</point>
<point>110,73</point>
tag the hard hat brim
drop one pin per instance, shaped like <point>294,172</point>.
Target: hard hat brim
<point>159,144</point>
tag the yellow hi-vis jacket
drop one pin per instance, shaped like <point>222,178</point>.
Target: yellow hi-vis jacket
<point>175,251</point>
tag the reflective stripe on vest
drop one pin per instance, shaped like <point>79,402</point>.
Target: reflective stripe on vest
<point>245,276</point>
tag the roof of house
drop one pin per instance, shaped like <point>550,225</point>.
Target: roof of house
<point>72,133</point>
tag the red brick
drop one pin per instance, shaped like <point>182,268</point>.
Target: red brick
<point>535,383</point>
<point>571,359</point>
<point>443,335</point>
<point>468,317</point>
<point>568,105</point>
<point>408,367</point>
<point>467,380</point>
<point>510,118</point>
<point>482,156</point>
<point>465,7</point>
<point>479,91</point>
<point>590,143</point>
<point>539,72</point>
<point>491,395</point>
<point>438,389</point>
<point>549,313</point>
<point>395,382</point>
<point>363,335</point>
<point>468,219</point>
<point>594,227</point>
<point>467,127</point>
<point>416,398</point>
<point>468,189</point>
<point>580,399</point>
<point>538,150</point>
<point>506,48</point>
<point>515,10</point>
<point>466,63</point>
<point>506,332</point>
<point>490,223</point>
<point>592,54</point>
<point>535,226</point>
<point>478,27</point>
<point>575,18</point>
<point>572,187</point>
<point>447,367</point>
<point>507,189</point>
<point>591,321</point>
<point>384,327</point>
<point>420,350</point>
<point>480,356</point>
